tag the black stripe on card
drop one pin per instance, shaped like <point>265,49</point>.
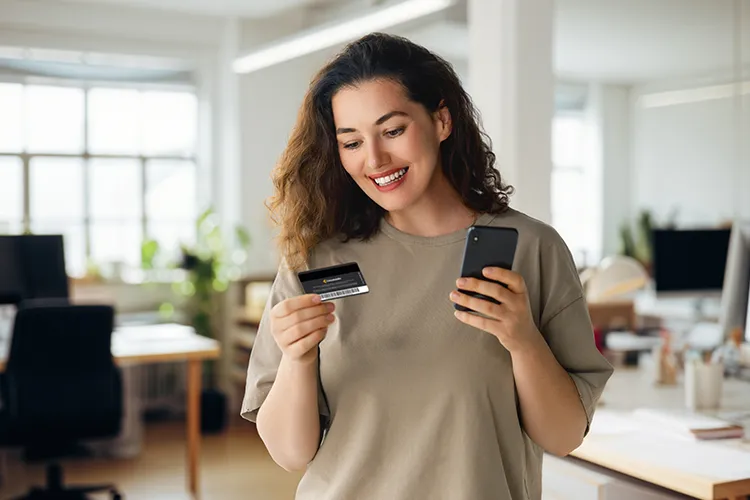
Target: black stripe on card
<point>328,272</point>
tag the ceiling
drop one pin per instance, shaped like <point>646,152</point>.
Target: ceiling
<point>252,9</point>
<point>641,40</point>
<point>627,41</point>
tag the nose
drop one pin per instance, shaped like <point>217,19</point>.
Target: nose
<point>376,156</point>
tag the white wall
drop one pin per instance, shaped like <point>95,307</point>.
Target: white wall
<point>105,28</point>
<point>613,117</point>
<point>269,103</point>
<point>686,157</point>
<point>512,84</point>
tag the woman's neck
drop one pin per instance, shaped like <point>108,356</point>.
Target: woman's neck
<point>439,211</point>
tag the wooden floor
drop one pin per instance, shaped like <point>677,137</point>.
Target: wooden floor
<point>234,465</point>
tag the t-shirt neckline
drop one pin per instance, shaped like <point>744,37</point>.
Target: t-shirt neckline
<point>443,239</point>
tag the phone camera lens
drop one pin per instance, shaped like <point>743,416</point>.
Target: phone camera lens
<point>476,238</point>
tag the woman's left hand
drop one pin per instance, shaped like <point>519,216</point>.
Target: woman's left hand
<point>510,321</point>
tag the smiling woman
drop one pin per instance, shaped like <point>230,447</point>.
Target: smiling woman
<point>390,394</point>
<point>404,113</point>
<point>379,153</point>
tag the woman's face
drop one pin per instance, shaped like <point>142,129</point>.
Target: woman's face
<point>388,144</point>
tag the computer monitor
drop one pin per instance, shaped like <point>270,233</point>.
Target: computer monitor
<point>32,267</point>
<point>690,262</point>
<point>44,258</point>
<point>12,287</point>
<point>735,296</point>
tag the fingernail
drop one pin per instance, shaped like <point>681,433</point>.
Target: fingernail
<point>316,299</point>
<point>454,295</point>
<point>460,282</point>
<point>330,307</point>
<point>330,318</point>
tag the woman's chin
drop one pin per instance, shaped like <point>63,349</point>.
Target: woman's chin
<point>393,203</point>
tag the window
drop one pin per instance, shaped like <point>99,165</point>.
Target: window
<point>573,190</point>
<point>106,167</point>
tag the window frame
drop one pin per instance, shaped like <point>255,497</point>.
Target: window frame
<point>581,253</point>
<point>86,156</point>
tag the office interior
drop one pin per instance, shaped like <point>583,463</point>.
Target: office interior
<point>137,140</point>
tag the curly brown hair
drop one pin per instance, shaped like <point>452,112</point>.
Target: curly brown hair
<point>310,168</point>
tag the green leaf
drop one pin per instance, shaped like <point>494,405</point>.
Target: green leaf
<point>243,236</point>
<point>166,310</point>
<point>149,250</point>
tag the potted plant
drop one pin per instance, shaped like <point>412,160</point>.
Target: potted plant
<point>210,265</point>
<point>639,245</point>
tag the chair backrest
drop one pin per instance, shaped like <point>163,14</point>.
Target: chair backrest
<point>62,339</point>
<point>61,380</point>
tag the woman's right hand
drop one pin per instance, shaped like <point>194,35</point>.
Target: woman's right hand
<point>299,324</point>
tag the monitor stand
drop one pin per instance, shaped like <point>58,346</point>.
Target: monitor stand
<point>699,306</point>
<point>7,316</point>
<point>685,306</point>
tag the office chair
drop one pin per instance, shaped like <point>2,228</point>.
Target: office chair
<point>61,387</point>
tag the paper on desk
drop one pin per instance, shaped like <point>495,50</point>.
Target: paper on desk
<point>685,424</point>
<point>158,332</point>
<point>705,459</point>
<point>680,419</point>
<point>607,422</point>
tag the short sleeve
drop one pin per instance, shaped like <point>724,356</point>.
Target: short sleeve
<point>566,326</point>
<point>266,355</point>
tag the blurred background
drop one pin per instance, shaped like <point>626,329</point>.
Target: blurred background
<point>137,138</point>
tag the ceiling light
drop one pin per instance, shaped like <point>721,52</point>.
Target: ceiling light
<point>686,96</point>
<point>342,32</point>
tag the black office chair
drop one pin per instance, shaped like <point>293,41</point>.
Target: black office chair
<point>61,387</point>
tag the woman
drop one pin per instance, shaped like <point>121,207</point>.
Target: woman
<point>390,395</point>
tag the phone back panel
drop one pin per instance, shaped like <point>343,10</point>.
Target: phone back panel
<point>487,246</point>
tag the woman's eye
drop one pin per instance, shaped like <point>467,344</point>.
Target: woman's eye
<point>395,132</point>
<point>351,145</point>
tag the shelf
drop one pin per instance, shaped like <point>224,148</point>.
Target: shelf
<point>239,375</point>
<point>244,339</point>
<point>244,319</point>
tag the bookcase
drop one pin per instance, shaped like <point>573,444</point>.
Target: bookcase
<point>246,310</point>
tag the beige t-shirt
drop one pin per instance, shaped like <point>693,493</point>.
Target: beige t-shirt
<point>422,406</point>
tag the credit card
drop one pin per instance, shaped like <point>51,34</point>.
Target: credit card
<point>334,282</point>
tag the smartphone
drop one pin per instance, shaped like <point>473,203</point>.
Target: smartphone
<point>487,246</point>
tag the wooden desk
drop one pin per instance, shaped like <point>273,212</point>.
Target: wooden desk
<point>684,466</point>
<point>136,345</point>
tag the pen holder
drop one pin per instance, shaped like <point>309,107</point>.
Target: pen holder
<point>703,384</point>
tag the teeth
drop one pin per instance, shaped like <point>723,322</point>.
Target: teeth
<point>384,181</point>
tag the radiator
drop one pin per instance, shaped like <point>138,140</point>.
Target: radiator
<point>156,391</point>
<point>161,388</point>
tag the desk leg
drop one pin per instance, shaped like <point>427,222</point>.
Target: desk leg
<point>193,425</point>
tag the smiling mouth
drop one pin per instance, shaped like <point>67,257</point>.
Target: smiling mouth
<point>387,180</point>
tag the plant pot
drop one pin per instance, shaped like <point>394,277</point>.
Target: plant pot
<point>213,411</point>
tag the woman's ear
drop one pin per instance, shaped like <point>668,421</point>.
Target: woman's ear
<point>443,121</point>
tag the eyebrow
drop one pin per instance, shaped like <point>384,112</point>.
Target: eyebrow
<point>379,121</point>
